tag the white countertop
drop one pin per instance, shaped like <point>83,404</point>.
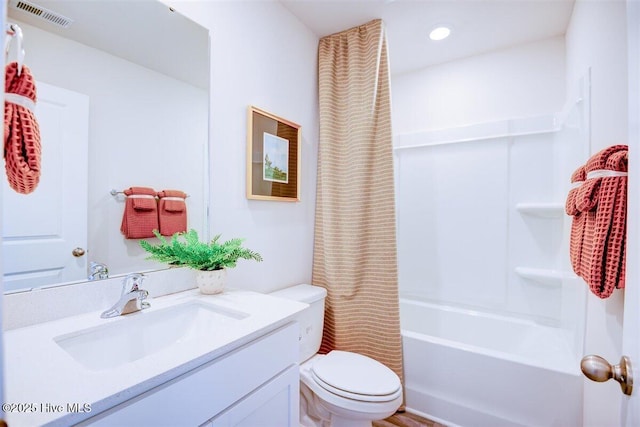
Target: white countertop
<point>43,382</point>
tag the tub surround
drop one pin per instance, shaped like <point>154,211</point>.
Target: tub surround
<point>42,373</point>
<point>509,324</point>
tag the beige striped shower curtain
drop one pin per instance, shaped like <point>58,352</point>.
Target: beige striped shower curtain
<point>355,229</point>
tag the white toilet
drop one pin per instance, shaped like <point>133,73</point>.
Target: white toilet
<point>339,389</point>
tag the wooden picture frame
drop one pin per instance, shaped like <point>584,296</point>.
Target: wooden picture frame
<point>273,157</point>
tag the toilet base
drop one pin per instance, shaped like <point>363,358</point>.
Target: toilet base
<point>313,413</point>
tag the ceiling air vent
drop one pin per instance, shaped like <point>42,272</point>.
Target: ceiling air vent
<point>42,13</point>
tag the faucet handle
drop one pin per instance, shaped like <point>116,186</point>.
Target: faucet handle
<point>132,282</point>
<point>132,298</point>
<point>137,279</point>
<point>98,271</point>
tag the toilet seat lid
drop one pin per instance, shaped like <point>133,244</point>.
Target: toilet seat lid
<point>355,376</point>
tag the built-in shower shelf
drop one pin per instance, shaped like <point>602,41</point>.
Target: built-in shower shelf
<point>543,276</point>
<point>542,210</point>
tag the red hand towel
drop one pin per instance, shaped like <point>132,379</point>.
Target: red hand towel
<point>22,151</point>
<point>172,212</point>
<point>578,223</point>
<point>617,237</point>
<point>603,201</point>
<point>140,216</point>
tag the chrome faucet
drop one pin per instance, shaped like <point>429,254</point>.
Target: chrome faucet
<point>131,299</point>
<point>98,271</point>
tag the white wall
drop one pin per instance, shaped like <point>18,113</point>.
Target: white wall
<point>261,55</point>
<point>146,129</point>
<point>522,81</point>
<point>596,39</point>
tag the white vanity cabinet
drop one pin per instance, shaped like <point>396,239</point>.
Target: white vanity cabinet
<point>275,404</point>
<point>256,384</point>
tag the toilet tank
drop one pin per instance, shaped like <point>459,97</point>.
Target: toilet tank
<point>311,319</point>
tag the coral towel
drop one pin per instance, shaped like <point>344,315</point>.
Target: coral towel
<point>578,223</point>
<point>600,202</point>
<point>22,150</point>
<point>172,212</point>
<point>140,213</point>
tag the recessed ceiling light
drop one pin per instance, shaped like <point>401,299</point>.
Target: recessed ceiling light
<point>441,32</point>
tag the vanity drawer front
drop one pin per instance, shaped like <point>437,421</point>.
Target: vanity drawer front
<point>197,396</point>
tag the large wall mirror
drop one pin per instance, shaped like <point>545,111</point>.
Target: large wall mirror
<point>123,101</point>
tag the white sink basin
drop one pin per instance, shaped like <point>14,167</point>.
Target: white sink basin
<point>144,333</point>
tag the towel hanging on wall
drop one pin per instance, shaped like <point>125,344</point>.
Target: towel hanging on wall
<point>140,216</point>
<point>172,212</point>
<point>22,149</point>
<point>598,204</point>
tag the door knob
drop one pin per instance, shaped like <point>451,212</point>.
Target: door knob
<point>597,368</point>
<point>77,252</point>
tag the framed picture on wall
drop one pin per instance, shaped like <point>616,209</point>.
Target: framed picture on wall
<point>275,161</point>
<point>273,157</point>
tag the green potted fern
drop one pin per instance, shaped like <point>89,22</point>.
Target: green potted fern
<point>209,259</point>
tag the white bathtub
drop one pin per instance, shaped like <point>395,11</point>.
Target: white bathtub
<point>475,369</point>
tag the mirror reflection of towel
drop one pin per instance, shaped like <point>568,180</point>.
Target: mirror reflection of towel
<point>21,131</point>
<point>140,216</point>
<point>172,212</point>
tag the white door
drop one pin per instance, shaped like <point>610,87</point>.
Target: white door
<point>42,229</point>
<point>630,407</point>
<point>630,410</point>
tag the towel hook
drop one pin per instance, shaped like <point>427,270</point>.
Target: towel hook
<point>15,34</point>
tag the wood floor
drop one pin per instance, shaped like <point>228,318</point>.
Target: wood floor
<point>406,419</point>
